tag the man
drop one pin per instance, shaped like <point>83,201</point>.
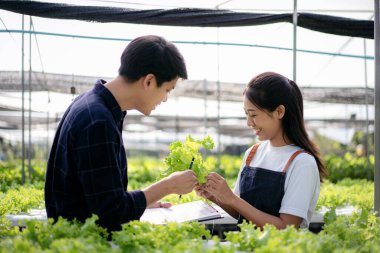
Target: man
<point>87,167</point>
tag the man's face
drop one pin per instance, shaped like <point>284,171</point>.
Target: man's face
<point>155,96</point>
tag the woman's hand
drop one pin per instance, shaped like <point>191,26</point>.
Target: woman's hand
<point>217,186</point>
<point>201,191</point>
<point>160,204</point>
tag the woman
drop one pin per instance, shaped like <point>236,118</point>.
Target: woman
<point>279,181</point>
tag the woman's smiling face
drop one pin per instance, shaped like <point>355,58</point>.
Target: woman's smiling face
<point>267,125</point>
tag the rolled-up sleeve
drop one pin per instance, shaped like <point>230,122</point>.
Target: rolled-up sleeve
<point>100,172</point>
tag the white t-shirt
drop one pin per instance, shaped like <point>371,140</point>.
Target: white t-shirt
<point>302,183</point>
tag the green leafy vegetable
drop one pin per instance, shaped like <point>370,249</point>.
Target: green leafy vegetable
<point>181,155</point>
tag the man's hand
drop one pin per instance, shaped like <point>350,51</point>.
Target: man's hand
<point>160,204</point>
<point>182,182</point>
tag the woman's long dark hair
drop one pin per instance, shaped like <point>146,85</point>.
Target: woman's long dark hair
<point>269,90</point>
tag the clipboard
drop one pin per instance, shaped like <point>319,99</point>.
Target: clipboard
<point>186,212</point>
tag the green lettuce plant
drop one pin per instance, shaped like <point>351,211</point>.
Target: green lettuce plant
<point>181,154</point>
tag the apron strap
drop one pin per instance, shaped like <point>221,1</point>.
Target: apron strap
<point>252,154</point>
<point>292,158</point>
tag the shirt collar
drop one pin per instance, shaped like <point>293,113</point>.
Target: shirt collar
<point>110,100</point>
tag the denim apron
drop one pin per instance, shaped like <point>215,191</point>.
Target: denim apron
<point>263,188</point>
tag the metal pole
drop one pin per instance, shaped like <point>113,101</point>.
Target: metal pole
<point>30,101</point>
<point>204,151</point>
<point>22,106</point>
<point>205,105</point>
<point>218,102</point>
<point>176,122</point>
<point>295,41</point>
<point>377,107</point>
<point>47,134</point>
<point>47,122</point>
<point>366,140</point>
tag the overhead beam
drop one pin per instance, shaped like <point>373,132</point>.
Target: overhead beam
<point>230,92</point>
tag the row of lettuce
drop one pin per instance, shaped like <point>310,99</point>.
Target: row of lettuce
<point>359,232</point>
<point>148,169</point>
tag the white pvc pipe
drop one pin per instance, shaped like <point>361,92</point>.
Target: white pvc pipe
<point>377,107</point>
<point>295,21</point>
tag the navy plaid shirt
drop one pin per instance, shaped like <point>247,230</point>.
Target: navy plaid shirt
<point>87,167</point>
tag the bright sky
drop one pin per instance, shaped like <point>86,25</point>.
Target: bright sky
<point>226,63</point>
<point>100,58</point>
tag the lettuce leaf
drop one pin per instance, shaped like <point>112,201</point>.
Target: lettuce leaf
<point>181,154</point>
